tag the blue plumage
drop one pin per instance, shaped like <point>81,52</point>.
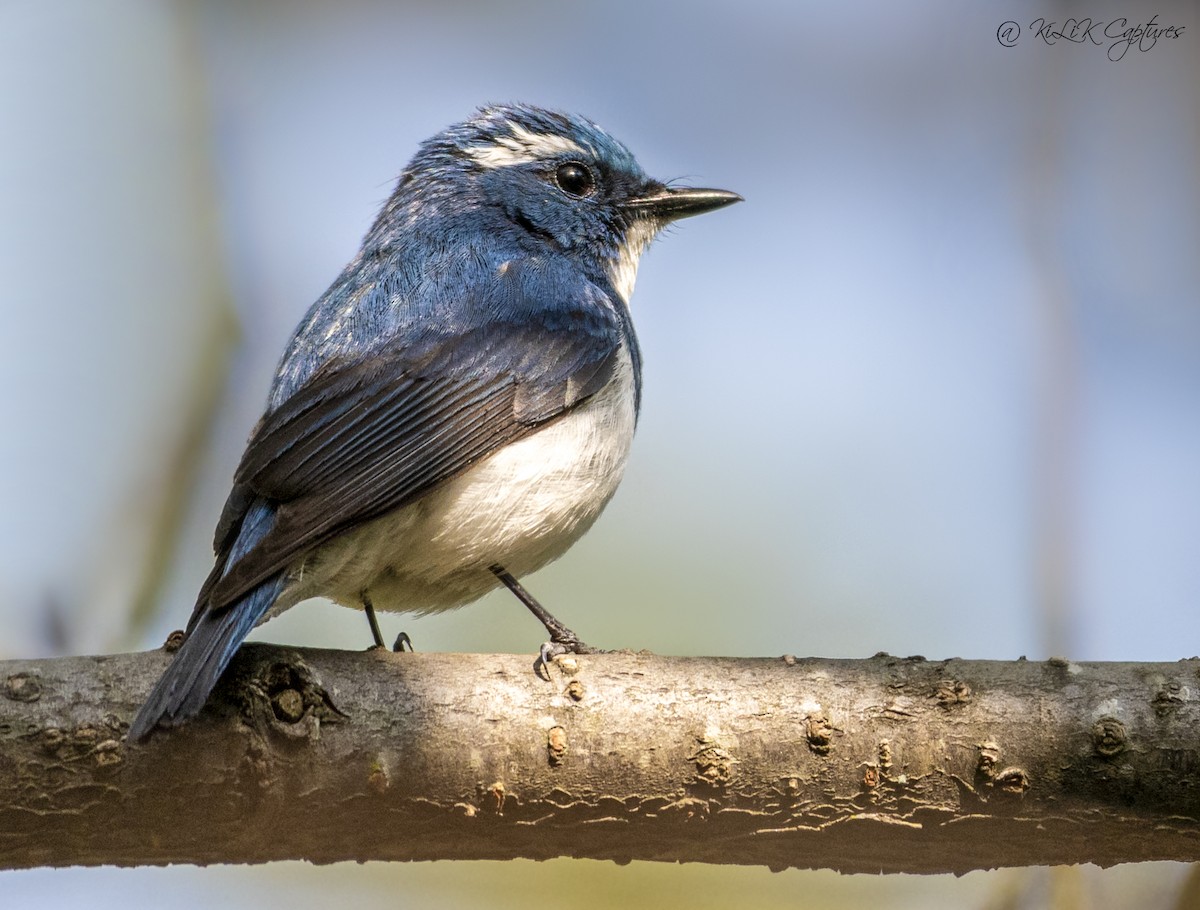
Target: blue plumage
<point>457,408</point>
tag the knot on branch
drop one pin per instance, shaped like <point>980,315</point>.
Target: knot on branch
<point>1108,737</point>
<point>283,697</point>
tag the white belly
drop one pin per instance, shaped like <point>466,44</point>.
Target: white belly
<point>521,507</point>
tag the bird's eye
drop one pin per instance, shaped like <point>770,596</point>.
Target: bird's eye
<point>575,179</point>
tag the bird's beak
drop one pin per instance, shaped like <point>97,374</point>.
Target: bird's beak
<point>670,203</point>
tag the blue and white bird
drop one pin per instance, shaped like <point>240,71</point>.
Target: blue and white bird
<point>457,409</point>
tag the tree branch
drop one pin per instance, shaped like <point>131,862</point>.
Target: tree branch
<point>874,765</point>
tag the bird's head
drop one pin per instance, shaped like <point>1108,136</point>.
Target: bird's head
<point>554,182</point>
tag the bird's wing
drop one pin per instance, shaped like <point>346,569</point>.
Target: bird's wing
<point>362,437</point>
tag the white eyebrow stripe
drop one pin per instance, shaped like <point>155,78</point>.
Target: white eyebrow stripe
<point>523,147</point>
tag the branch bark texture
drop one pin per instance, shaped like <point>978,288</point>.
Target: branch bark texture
<point>886,764</point>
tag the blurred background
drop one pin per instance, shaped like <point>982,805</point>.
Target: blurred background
<point>934,388</point>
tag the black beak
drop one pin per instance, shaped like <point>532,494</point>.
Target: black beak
<point>668,203</point>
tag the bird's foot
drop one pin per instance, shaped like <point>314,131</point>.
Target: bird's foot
<point>562,642</point>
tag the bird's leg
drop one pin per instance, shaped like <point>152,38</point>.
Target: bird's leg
<point>562,640</point>
<point>401,640</point>
<point>369,609</point>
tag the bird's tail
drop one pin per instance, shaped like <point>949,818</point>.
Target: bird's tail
<point>211,643</point>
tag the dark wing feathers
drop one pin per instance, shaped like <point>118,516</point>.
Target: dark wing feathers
<point>425,450</point>
<point>362,437</point>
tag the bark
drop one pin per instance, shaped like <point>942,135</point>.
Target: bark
<point>885,764</point>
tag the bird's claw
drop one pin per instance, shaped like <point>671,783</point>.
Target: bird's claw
<point>557,647</point>
<point>546,654</point>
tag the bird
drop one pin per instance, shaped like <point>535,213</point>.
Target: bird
<point>457,409</point>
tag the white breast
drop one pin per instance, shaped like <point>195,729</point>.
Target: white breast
<point>520,507</point>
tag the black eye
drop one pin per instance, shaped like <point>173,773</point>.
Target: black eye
<point>575,179</point>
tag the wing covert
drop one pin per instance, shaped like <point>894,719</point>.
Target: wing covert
<point>368,435</point>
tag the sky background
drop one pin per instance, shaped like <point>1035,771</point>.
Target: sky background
<point>933,388</point>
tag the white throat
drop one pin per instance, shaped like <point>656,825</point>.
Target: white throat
<point>622,271</point>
